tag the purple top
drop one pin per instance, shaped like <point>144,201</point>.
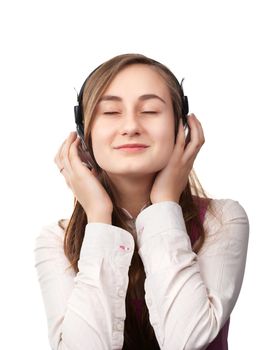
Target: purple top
<point>221,341</point>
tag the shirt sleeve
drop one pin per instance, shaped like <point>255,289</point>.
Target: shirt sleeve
<point>85,310</point>
<point>190,296</point>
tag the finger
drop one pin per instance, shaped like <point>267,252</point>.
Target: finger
<point>196,138</point>
<point>201,132</point>
<point>187,137</point>
<point>180,140</point>
<point>64,157</point>
<point>57,156</point>
<point>75,160</point>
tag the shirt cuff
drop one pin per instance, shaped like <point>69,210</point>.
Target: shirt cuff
<point>162,235</point>
<point>109,241</point>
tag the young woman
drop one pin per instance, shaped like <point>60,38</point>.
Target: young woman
<point>146,260</point>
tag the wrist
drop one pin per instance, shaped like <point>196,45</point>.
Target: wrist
<point>166,200</point>
<point>102,218</point>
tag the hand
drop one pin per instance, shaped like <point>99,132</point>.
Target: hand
<point>83,182</point>
<point>171,181</point>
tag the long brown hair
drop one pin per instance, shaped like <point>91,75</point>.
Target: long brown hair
<point>138,334</point>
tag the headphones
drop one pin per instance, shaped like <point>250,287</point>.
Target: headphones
<point>78,115</point>
<point>78,110</point>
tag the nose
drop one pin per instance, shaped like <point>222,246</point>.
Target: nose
<point>131,124</point>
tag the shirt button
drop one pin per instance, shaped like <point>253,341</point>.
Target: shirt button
<point>120,326</point>
<point>121,292</point>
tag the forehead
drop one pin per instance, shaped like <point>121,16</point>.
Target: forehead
<point>138,79</point>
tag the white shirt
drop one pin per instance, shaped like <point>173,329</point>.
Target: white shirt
<point>189,296</point>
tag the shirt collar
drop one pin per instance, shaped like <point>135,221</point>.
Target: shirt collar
<point>128,213</point>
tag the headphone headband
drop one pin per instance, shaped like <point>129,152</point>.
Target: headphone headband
<point>78,111</point>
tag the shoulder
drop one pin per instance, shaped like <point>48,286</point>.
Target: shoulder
<point>48,248</point>
<point>228,208</point>
<point>222,212</point>
<point>52,231</point>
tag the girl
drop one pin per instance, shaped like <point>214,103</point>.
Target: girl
<point>146,260</point>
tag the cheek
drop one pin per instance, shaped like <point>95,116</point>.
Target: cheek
<point>164,147</point>
<point>99,143</point>
<point>164,137</point>
<point>164,154</point>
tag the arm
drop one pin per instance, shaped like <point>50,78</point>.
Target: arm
<point>191,296</point>
<point>85,310</point>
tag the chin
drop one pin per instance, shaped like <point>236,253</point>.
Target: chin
<point>135,169</point>
<point>148,165</point>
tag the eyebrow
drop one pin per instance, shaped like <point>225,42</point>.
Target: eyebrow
<point>141,98</point>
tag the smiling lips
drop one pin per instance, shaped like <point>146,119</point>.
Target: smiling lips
<point>132,148</point>
<point>132,145</point>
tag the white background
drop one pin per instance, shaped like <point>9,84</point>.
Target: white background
<point>227,53</point>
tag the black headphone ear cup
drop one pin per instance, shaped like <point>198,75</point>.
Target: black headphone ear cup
<point>186,108</point>
<point>78,115</point>
<point>80,131</point>
<point>79,122</point>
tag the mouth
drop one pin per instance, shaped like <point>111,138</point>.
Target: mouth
<point>132,149</point>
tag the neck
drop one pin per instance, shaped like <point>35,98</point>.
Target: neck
<point>132,193</point>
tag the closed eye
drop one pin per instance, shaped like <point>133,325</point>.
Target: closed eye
<point>147,112</point>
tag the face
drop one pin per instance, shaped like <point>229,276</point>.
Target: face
<point>128,112</point>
